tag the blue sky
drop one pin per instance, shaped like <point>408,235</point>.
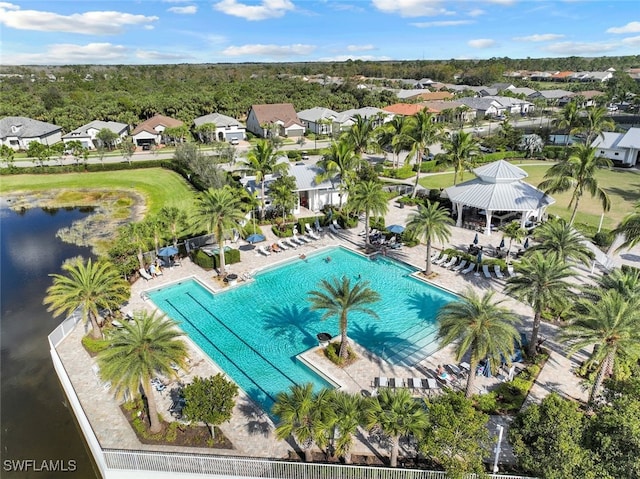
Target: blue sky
<point>182,31</point>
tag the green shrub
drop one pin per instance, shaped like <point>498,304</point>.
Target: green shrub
<point>202,259</point>
<point>377,222</point>
<point>231,256</point>
<point>401,173</point>
<point>332,352</point>
<point>283,231</point>
<point>94,346</point>
<point>428,166</point>
<point>487,403</point>
<point>251,228</point>
<point>603,239</point>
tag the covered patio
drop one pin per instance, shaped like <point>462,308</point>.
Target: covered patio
<point>498,192</point>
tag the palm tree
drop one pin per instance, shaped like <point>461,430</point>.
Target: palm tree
<point>578,172</point>
<point>91,287</point>
<point>460,148</point>
<point>304,415</point>
<point>175,219</point>
<point>629,229</point>
<point>420,132</point>
<point>557,237</point>
<point>340,161</point>
<point>348,410</point>
<point>531,144</point>
<point>142,349</point>
<point>480,326</point>
<point>542,283</point>
<point>568,118</point>
<point>282,197</point>
<point>140,236</point>
<point>368,196</point>
<point>612,324</point>
<point>514,231</point>
<point>360,135</point>
<point>390,137</point>
<point>597,122</point>
<point>397,414</point>
<point>261,161</point>
<point>625,281</point>
<point>337,298</point>
<point>430,222</point>
<point>219,211</point>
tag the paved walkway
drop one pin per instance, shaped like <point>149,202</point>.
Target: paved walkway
<point>250,430</point>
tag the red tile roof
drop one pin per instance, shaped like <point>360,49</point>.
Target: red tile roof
<point>405,109</point>
<point>155,121</point>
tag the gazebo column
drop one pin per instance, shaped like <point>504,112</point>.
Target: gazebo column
<point>459,208</point>
<point>487,230</point>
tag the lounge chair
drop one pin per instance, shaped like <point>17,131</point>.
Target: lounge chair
<point>460,265</point>
<point>417,384</point>
<point>485,270</point>
<point>450,263</point>
<point>261,249</point>
<point>281,245</point>
<point>496,270</point>
<point>432,385</point>
<point>275,248</point>
<point>469,268</point>
<point>336,225</point>
<point>398,383</point>
<point>435,256</point>
<point>312,235</point>
<point>295,239</point>
<point>441,259</point>
<point>310,231</point>
<point>144,274</point>
<point>510,270</point>
<point>381,382</point>
<point>304,239</point>
<point>333,229</point>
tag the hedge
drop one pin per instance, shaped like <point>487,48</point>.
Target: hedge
<point>401,173</point>
<point>205,261</point>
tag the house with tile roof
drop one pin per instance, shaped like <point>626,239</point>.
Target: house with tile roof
<point>404,109</point>
<point>86,134</point>
<point>150,132</point>
<point>450,111</point>
<point>17,132</point>
<point>227,128</point>
<point>562,76</point>
<point>278,119</point>
<point>623,149</point>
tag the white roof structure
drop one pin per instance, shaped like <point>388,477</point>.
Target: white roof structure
<point>499,186</point>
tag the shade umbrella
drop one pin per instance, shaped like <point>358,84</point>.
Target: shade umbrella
<point>167,251</point>
<point>526,243</point>
<point>501,243</point>
<point>475,239</point>
<point>395,229</point>
<point>255,238</point>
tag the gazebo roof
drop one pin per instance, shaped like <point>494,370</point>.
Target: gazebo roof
<point>499,188</point>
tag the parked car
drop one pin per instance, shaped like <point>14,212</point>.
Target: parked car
<point>146,147</point>
<point>234,141</point>
<point>304,156</point>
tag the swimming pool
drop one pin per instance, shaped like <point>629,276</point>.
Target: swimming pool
<point>254,332</point>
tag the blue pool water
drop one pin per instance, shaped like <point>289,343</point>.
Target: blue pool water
<point>255,331</point>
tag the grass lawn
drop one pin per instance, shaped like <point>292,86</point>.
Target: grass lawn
<point>160,187</point>
<point>623,187</point>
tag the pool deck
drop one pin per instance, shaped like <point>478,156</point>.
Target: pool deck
<point>250,430</point>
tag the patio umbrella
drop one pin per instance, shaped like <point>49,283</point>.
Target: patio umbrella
<point>395,229</point>
<point>475,239</point>
<point>501,243</point>
<point>526,243</point>
<point>479,261</point>
<point>167,251</point>
<point>255,238</point>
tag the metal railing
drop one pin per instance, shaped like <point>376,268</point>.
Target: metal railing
<point>65,327</point>
<point>241,467</point>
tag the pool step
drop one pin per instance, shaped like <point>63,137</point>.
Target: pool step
<point>414,351</point>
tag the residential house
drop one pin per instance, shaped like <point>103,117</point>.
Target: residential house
<point>345,119</point>
<point>450,111</point>
<point>522,91</point>
<point>590,97</point>
<point>489,106</point>
<point>227,128</point>
<point>86,134</point>
<point>562,76</point>
<point>423,83</point>
<point>552,97</point>
<point>595,77</point>
<point>150,132</point>
<point>17,132</point>
<point>318,120</point>
<point>278,119</point>
<point>541,76</point>
<point>404,109</point>
<point>621,148</point>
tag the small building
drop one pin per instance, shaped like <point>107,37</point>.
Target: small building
<point>17,132</point>
<point>278,119</point>
<point>318,120</point>
<point>227,128</point>
<point>86,134</point>
<point>623,149</point>
<point>150,132</point>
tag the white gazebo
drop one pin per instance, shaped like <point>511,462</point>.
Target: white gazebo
<point>499,187</point>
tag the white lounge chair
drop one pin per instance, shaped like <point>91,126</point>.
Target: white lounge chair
<point>417,384</point>
<point>281,245</point>
<point>433,386</point>
<point>450,263</point>
<point>333,229</point>
<point>485,270</point>
<point>304,239</point>
<point>336,225</point>
<point>144,274</point>
<point>381,382</point>
<point>264,251</point>
<point>460,265</point>
<point>498,273</point>
<point>469,268</point>
<point>312,235</point>
<point>309,229</point>
<point>441,259</point>
<point>510,270</point>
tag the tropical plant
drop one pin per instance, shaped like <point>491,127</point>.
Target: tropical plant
<point>558,238</point>
<point>514,231</point>
<point>612,323</point>
<point>360,136</point>
<point>481,327</point>
<point>531,144</point>
<point>219,211</point>
<point>368,196</point>
<point>282,195</point>
<point>460,149</point>
<point>542,282</point>
<point>629,229</point>
<point>140,236</point>
<point>210,400</point>
<point>175,219</point>
<point>625,281</point>
<point>106,138</point>
<point>420,132</point>
<point>389,137</point>
<point>128,148</point>
<point>430,222</point>
<point>341,162</point>
<point>304,415</point>
<point>397,414</point>
<point>142,349</point>
<point>337,298</point>
<point>89,287</point>
<point>348,415</point>
<point>578,173</point>
<point>568,119</point>
<point>596,122</point>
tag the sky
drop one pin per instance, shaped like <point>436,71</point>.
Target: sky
<point>62,32</point>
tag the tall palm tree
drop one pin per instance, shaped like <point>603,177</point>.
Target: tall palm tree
<point>430,222</point>
<point>624,281</point>
<point>341,162</point>
<point>629,229</point>
<point>612,324</point>
<point>142,349</point>
<point>348,409</point>
<point>397,414</point>
<point>568,119</point>
<point>389,136</point>
<point>261,161</point>
<point>90,286</point>
<point>557,237</point>
<point>461,147</point>
<point>337,298</point>
<point>368,196</point>
<point>140,236</point>
<point>578,173</point>
<point>514,231</point>
<point>304,415</point>
<point>542,282</point>
<point>420,132</point>
<point>219,211</point>
<point>597,122</point>
<point>482,327</point>
<point>360,136</point>
<point>175,219</point>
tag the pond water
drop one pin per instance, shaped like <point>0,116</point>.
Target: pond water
<point>36,424</point>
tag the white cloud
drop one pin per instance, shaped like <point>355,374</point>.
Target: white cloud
<point>476,12</point>
<point>267,9</point>
<point>344,58</point>
<point>163,56</point>
<point>631,27</point>
<point>539,37</point>
<point>90,23</point>
<point>633,41</point>
<point>412,8</point>
<point>502,2</point>
<point>442,23</point>
<point>578,48</point>
<point>67,53</point>
<point>360,48</point>
<point>481,43</point>
<point>188,10</point>
<point>269,50</point>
